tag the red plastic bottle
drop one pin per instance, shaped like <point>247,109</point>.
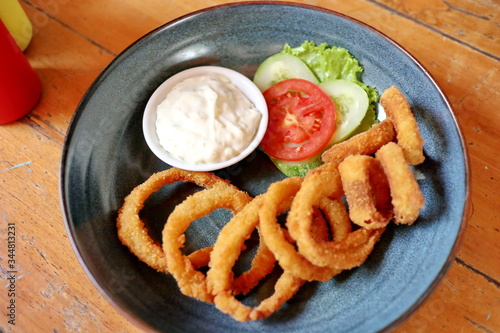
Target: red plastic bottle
<point>20,86</point>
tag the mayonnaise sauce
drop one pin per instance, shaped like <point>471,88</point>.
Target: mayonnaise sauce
<point>206,119</point>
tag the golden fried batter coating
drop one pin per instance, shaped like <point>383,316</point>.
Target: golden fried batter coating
<point>367,191</point>
<point>407,133</point>
<point>365,143</point>
<point>407,197</point>
<point>131,229</point>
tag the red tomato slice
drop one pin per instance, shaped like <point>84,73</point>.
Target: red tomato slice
<point>301,120</point>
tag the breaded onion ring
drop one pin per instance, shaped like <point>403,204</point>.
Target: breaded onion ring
<point>346,251</point>
<point>367,191</point>
<point>200,258</point>
<point>319,226</point>
<point>131,229</point>
<point>226,251</point>
<point>408,136</point>
<point>286,286</point>
<point>262,264</point>
<point>337,219</point>
<point>365,143</point>
<point>190,281</point>
<point>275,237</point>
<point>407,198</point>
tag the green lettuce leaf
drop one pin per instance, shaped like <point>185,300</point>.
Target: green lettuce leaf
<point>331,63</point>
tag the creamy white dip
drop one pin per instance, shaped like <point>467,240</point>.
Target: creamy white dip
<point>206,119</point>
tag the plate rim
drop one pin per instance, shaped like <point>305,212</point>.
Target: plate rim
<point>64,200</point>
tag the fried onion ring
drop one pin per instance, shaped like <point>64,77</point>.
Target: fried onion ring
<point>407,198</point>
<point>190,281</point>
<point>347,250</point>
<point>365,143</point>
<point>337,218</point>
<point>200,258</point>
<point>367,191</point>
<point>319,226</point>
<point>262,264</point>
<point>399,113</point>
<point>275,237</point>
<point>286,286</point>
<point>226,251</point>
<point>131,229</point>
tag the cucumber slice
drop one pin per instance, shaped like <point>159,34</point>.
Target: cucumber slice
<point>351,103</point>
<point>280,67</point>
<point>297,169</point>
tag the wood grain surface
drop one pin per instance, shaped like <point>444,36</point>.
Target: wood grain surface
<point>457,41</point>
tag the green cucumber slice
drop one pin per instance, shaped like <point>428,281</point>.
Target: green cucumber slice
<point>351,103</point>
<point>280,67</point>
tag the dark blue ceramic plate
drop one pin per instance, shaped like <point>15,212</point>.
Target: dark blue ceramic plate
<point>105,157</point>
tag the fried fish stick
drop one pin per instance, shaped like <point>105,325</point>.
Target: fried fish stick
<point>365,143</point>
<point>367,191</point>
<point>407,198</point>
<point>407,134</point>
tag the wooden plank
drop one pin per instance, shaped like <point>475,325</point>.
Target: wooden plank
<point>50,291</point>
<point>119,23</point>
<point>471,22</point>
<point>464,302</point>
<point>67,64</point>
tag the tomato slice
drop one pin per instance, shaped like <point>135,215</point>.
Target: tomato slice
<point>301,120</point>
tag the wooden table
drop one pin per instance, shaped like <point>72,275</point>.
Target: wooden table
<point>456,40</point>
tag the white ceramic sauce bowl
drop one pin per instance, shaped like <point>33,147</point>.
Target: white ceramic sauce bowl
<point>243,83</point>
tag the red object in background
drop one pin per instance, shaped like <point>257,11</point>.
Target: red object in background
<point>19,84</point>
